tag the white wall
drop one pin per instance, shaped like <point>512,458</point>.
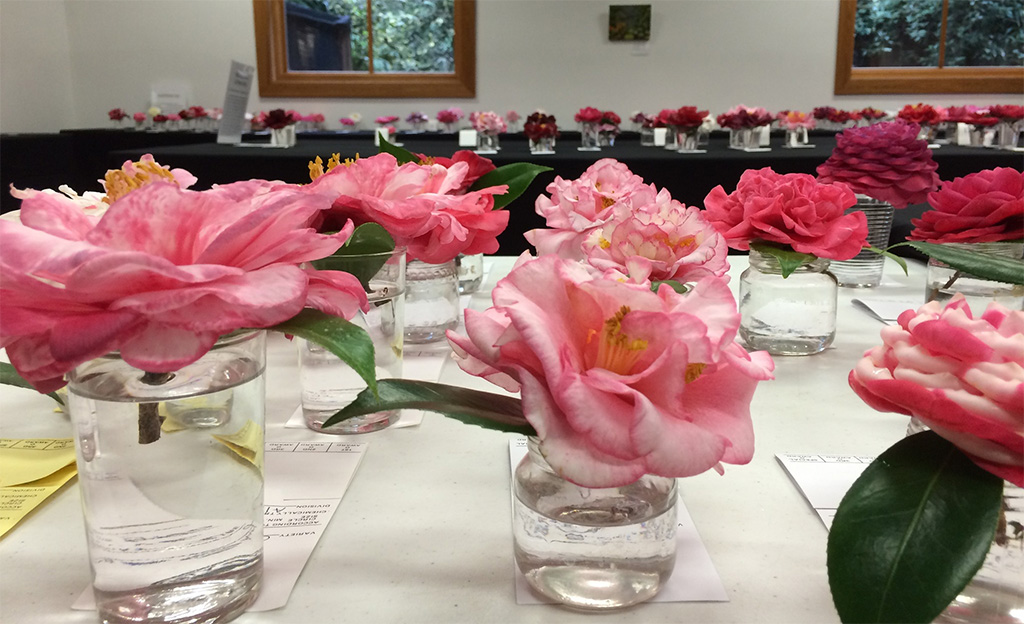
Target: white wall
<point>35,67</point>
<point>551,54</point>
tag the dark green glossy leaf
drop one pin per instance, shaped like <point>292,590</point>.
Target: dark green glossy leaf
<point>346,340</point>
<point>403,155</point>
<point>911,532</point>
<point>983,265</point>
<point>517,176</point>
<point>682,289</point>
<point>484,409</point>
<point>362,255</point>
<point>888,254</point>
<point>789,260</point>
<point>9,376</point>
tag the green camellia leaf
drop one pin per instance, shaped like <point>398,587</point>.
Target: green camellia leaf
<point>472,407</point>
<point>789,260</point>
<point>362,255</point>
<point>682,289</point>
<point>403,155</point>
<point>888,254</point>
<point>346,340</point>
<point>983,265</point>
<point>517,176</point>
<point>911,532</point>
<point>9,376</point>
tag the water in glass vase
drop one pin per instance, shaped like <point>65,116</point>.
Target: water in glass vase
<point>174,523</point>
<point>593,548</point>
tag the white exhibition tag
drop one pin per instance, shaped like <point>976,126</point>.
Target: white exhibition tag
<point>659,136</point>
<point>467,138</point>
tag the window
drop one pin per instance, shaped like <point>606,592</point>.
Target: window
<point>930,46</point>
<point>366,48</point>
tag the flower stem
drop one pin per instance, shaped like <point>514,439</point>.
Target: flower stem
<point>149,413</point>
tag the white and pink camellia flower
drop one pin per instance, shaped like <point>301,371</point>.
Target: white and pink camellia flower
<point>617,380</point>
<point>658,242</point>
<point>159,277</point>
<point>577,207</point>
<point>422,206</point>
<point>962,376</point>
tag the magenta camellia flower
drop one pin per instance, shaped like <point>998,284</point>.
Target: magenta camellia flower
<point>792,209</point>
<point>423,207</point>
<point>981,207</point>
<point>661,241</point>
<point>618,381</point>
<point>578,206</point>
<point>885,161</point>
<point>159,277</point>
<point>961,376</point>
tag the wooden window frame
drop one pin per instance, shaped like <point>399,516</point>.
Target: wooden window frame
<point>852,80</point>
<point>275,80</point>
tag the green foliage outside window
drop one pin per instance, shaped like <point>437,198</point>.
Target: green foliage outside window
<point>905,33</point>
<point>412,37</point>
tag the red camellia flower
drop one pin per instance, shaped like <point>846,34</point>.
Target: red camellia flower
<point>610,117</point>
<point>1007,112</point>
<point>921,114</point>
<point>962,376</point>
<point>478,166</point>
<point>685,117</point>
<point>885,161</point>
<point>116,114</point>
<point>278,118</point>
<point>588,115</point>
<point>979,208</point>
<point>792,209</point>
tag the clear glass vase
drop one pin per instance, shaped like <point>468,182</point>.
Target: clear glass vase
<point>592,548</point>
<point>487,143</point>
<point>647,136</point>
<point>543,145</point>
<point>173,511</point>
<point>865,269</point>
<point>590,139</point>
<point>283,137</point>
<point>328,384</point>
<point>471,272</point>
<point>431,301</point>
<point>996,593</point>
<point>686,140</point>
<point>795,315</point>
<point>944,281</point>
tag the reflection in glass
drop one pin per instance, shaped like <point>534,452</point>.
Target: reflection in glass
<point>335,35</point>
<point>983,33</point>
<point>897,33</point>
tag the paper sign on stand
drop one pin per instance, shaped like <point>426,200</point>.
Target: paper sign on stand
<point>660,135</point>
<point>30,471</point>
<point>824,479</point>
<point>236,100</point>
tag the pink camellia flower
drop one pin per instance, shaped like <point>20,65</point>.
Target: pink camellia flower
<point>140,117</point>
<point>658,242</point>
<point>386,119</point>
<point>978,208</point>
<point>961,376</point>
<point>588,114</point>
<point>159,277</point>
<point>488,122</point>
<point>618,381</point>
<point>885,161</point>
<point>512,116</point>
<point>347,121</point>
<point>478,166</point>
<point>578,206</point>
<point>792,209</point>
<point>449,115</point>
<point>417,204</point>
<point>793,120</point>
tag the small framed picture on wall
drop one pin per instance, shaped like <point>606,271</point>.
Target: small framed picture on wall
<point>629,22</point>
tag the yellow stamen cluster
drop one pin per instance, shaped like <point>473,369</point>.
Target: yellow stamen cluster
<point>693,371</point>
<point>120,182</point>
<point>316,167</point>
<point>617,352</point>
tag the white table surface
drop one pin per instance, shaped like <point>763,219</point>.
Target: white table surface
<point>424,532</point>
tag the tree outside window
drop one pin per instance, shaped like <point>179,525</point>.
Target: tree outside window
<point>930,46</point>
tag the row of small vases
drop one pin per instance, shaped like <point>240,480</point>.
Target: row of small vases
<point>410,303</point>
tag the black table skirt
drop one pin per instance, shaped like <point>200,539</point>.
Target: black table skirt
<point>688,177</point>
